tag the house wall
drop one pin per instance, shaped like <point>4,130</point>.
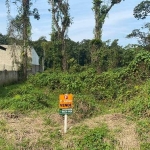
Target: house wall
<point>10,58</point>
<point>9,63</point>
<point>8,77</point>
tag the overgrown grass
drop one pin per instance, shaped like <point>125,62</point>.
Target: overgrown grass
<point>5,145</point>
<point>125,90</point>
<point>95,139</point>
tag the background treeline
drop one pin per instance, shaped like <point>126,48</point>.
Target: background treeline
<point>79,54</point>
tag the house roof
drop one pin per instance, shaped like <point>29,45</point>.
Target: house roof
<point>2,48</point>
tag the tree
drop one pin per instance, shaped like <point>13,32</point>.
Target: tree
<point>52,54</point>
<point>100,11</point>
<point>61,20</point>
<point>142,36</point>
<point>78,53</point>
<point>37,45</point>
<point>142,10</point>
<point>4,39</point>
<point>114,55</point>
<point>20,27</point>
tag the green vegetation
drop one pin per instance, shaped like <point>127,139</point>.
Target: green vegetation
<point>124,90</point>
<point>94,139</point>
<point>110,84</point>
<point>4,144</point>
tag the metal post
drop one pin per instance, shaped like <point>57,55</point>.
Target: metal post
<point>65,123</point>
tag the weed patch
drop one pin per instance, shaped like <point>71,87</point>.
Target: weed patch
<point>96,139</point>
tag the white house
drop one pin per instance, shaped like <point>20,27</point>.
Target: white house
<point>10,58</point>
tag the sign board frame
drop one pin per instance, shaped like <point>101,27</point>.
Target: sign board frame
<point>65,101</point>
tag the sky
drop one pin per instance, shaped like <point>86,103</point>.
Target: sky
<point>119,23</point>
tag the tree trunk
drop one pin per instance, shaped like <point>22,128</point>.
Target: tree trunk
<point>64,56</point>
<point>97,32</point>
<point>25,36</point>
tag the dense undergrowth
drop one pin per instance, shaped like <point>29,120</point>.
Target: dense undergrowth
<point>125,90</point>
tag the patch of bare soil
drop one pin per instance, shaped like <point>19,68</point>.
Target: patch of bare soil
<point>124,130</point>
<point>22,129</point>
<point>30,128</point>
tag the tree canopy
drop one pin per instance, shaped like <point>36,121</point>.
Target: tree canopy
<point>142,10</point>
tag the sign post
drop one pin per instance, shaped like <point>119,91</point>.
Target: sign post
<point>65,107</point>
<point>65,123</point>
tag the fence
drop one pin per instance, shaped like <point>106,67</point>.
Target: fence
<point>8,77</point>
<point>34,68</point>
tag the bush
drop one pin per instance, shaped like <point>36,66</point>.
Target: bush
<point>84,107</point>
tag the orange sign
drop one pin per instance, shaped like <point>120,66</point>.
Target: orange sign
<point>65,101</point>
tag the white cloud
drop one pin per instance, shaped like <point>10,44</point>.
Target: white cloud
<point>117,17</point>
<point>82,23</point>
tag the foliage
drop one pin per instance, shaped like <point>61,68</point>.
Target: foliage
<point>142,10</point>
<point>141,65</point>
<point>24,99</point>
<point>95,139</point>
<point>4,39</point>
<point>19,29</point>
<point>145,146</point>
<point>107,85</point>
<point>61,21</point>
<point>79,52</point>
<point>143,129</point>
<point>100,11</point>
<point>52,54</point>
<point>85,106</point>
<point>125,90</point>
<point>142,36</point>
<point>128,55</point>
<point>139,103</point>
<point>96,42</point>
<point>119,84</point>
<point>37,45</point>
<point>121,81</point>
<point>5,145</point>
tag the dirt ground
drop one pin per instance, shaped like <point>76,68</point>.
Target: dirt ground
<point>31,127</point>
<point>125,130</point>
